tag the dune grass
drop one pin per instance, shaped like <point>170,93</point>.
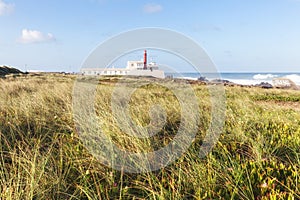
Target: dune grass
<point>42,157</point>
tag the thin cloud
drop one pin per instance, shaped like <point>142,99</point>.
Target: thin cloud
<point>6,8</point>
<point>34,36</point>
<point>200,27</point>
<point>228,53</point>
<point>98,1</point>
<point>152,8</point>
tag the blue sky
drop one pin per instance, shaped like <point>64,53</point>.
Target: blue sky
<point>238,35</point>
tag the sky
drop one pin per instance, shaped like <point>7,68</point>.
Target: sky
<point>238,35</point>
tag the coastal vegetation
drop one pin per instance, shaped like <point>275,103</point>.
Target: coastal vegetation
<point>42,157</point>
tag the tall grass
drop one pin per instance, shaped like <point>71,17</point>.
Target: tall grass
<point>42,156</point>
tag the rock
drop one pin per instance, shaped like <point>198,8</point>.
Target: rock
<point>202,78</point>
<point>4,70</point>
<point>264,85</point>
<point>284,83</point>
<point>220,81</point>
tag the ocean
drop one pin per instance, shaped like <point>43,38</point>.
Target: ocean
<point>241,78</point>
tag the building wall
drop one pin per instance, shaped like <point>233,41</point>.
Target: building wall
<point>154,73</point>
<point>116,71</point>
<point>135,65</point>
<point>99,71</point>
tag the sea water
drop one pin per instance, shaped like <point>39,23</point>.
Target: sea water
<point>241,78</point>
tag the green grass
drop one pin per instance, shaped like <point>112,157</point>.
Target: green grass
<point>42,157</point>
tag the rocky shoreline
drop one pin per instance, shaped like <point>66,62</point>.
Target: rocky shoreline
<point>282,83</point>
<point>6,71</point>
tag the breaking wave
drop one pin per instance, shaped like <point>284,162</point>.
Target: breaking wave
<point>294,77</point>
<point>264,76</point>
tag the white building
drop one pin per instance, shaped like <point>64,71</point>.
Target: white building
<point>133,68</point>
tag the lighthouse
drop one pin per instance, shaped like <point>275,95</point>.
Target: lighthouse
<point>133,68</point>
<point>145,59</point>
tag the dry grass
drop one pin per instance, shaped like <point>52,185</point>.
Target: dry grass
<point>42,156</point>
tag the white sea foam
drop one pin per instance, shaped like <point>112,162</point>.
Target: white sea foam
<point>236,81</point>
<point>248,82</point>
<point>188,78</point>
<point>34,71</point>
<point>264,76</point>
<point>256,79</point>
<point>294,77</point>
